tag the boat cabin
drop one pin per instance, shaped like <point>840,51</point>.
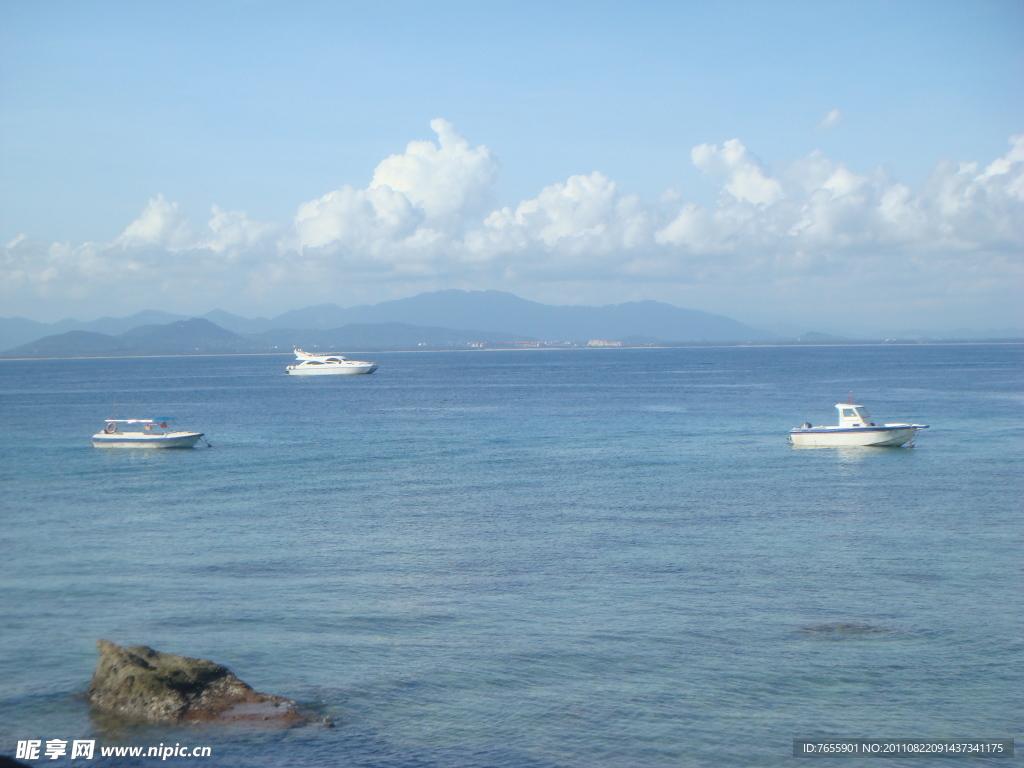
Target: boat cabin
<point>149,425</point>
<point>853,415</point>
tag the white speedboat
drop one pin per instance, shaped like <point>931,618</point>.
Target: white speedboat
<point>320,365</point>
<point>855,428</point>
<point>154,433</point>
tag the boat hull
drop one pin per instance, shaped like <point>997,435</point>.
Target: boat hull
<point>877,437</point>
<point>331,370</point>
<point>143,440</point>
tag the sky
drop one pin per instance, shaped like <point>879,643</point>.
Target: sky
<point>839,166</point>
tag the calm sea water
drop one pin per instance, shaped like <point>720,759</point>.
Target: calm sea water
<point>525,559</point>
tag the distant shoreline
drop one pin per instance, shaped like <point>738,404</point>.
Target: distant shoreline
<point>764,345</point>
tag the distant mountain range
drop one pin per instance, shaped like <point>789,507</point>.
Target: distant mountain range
<point>438,320</point>
<point>441,319</point>
<point>198,336</point>
<point>489,311</point>
<point>15,331</point>
<point>182,337</point>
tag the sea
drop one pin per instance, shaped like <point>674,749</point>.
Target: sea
<point>524,559</point>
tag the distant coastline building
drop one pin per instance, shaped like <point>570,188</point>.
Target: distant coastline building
<point>603,343</point>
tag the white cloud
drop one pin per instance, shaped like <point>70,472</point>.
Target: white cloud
<point>411,217</point>
<point>577,224</point>
<point>831,119</point>
<point>161,224</point>
<point>234,233</point>
<point>425,221</point>
<point>448,179</point>
<point>357,219</point>
<point>743,173</point>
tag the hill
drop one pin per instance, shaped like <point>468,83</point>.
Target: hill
<point>183,337</point>
<point>16,331</point>
<point>498,311</point>
<point>494,316</point>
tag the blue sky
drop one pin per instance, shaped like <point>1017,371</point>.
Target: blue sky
<point>588,157</point>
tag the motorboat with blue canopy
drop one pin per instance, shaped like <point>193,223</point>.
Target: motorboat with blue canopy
<point>143,433</point>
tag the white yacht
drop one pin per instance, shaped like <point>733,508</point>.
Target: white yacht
<point>320,365</point>
<point>154,433</point>
<point>855,428</point>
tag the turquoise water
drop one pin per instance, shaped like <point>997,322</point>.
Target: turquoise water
<point>556,558</point>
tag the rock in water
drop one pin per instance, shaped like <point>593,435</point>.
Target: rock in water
<point>142,684</point>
